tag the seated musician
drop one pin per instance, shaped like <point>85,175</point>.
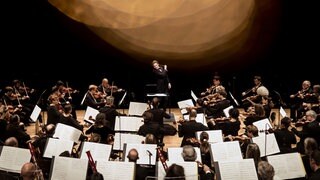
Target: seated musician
<point>310,128</point>
<point>231,126</point>
<point>188,129</point>
<point>141,171</point>
<point>257,114</point>
<point>215,109</point>
<point>303,96</point>
<point>284,137</point>
<point>257,80</point>
<point>14,130</point>
<point>54,110</point>
<point>93,98</point>
<point>67,119</point>
<point>216,81</point>
<point>102,127</point>
<point>149,126</point>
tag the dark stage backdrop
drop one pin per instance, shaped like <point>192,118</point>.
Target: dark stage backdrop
<point>33,31</point>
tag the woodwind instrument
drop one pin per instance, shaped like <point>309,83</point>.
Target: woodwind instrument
<point>162,159</point>
<point>91,162</point>
<point>39,174</point>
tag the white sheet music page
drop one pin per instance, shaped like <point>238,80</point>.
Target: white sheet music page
<point>262,125</point>
<point>54,147</point>
<point>214,136</point>
<point>137,108</point>
<point>272,145</point>
<point>128,123</point>
<point>194,97</point>
<point>35,113</point>
<point>175,154</point>
<point>185,104</point>
<point>143,152</point>
<point>200,118</point>
<point>226,111</point>
<point>12,158</point>
<point>97,150</point>
<point>237,169</point>
<point>282,112</point>
<point>287,166</point>
<point>90,113</point>
<point>115,170</point>
<point>67,132</point>
<point>68,168</point>
<point>226,151</point>
<point>121,138</point>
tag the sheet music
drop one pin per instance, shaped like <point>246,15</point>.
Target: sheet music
<point>114,170</point>
<point>194,97</point>
<point>240,169</point>
<point>175,154</point>
<point>226,151</point>
<point>126,138</point>
<point>190,169</point>
<point>120,102</point>
<point>90,112</point>
<point>65,168</point>
<point>67,132</point>
<point>128,123</point>
<point>272,145</point>
<point>54,147</point>
<point>97,150</point>
<point>226,111</point>
<point>157,95</point>
<point>200,118</point>
<point>137,108</point>
<point>214,135</point>
<point>287,166</point>
<point>282,112</point>
<point>262,125</point>
<point>13,158</point>
<point>143,153</point>
<point>184,104</point>
<point>35,113</point>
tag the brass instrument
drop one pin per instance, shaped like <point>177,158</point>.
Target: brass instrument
<point>162,159</point>
<point>39,174</point>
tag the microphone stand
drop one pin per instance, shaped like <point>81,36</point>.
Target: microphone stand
<point>149,154</point>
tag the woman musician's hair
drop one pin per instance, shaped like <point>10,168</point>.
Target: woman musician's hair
<point>204,144</point>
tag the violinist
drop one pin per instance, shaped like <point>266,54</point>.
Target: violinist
<point>258,114</point>
<point>93,98</point>
<point>215,110</point>
<point>251,93</point>
<point>54,110</point>
<point>303,96</point>
<point>216,81</point>
<point>284,137</point>
<point>310,128</point>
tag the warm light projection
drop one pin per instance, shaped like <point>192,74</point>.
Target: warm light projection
<point>196,31</point>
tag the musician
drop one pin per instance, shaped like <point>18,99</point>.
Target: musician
<point>205,149</point>
<point>54,110</point>
<point>302,96</point>
<point>258,114</point>
<point>310,145</point>
<point>231,126</point>
<point>102,127</point>
<point>176,172</point>
<point>163,83</point>
<point>67,119</point>
<point>92,98</point>
<point>215,110</point>
<point>253,151</point>
<point>158,115</point>
<point>149,126</point>
<point>310,129</point>
<point>141,172</point>
<point>265,171</point>
<point>189,154</point>
<point>111,113</point>
<point>42,140</point>
<point>284,137</point>
<point>11,141</point>
<point>188,129</point>
<point>28,171</point>
<point>257,80</point>
<point>14,130</point>
<point>315,165</point>
<point>216,81</point>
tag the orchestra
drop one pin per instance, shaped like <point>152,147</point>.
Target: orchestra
<point>257,104</point>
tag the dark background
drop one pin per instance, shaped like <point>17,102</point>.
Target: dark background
<point>40,45</point>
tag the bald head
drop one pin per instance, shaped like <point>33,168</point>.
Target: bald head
<point>28,171</point>
<point>133,155</point>
<point>11,141</point>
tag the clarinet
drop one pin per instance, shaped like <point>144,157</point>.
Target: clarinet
<point>39,174</point>
<point>91,162</point>
<point>162,159</point>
